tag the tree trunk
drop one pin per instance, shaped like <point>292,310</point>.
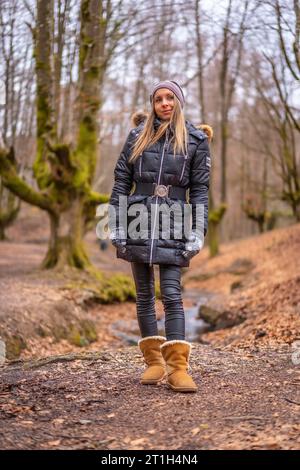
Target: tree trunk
<point>66,246</point>
<point>213,239</point>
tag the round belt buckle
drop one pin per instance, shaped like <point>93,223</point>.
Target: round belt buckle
<point>161,190</point>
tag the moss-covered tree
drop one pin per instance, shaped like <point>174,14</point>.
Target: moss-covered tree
<point>9,209</point>
<point>215,217</point>
<point>64,172</point>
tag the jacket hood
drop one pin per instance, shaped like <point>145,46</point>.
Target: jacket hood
<point>139,117</point>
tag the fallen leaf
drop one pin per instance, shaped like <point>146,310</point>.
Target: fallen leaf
<point>54,443</point>
<point>58,421</point>
<point>204,426</point>
<point>137,442</point>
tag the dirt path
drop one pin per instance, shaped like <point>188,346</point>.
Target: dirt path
<point>245,401</point>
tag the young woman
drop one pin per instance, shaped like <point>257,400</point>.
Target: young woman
<point>164,164</point>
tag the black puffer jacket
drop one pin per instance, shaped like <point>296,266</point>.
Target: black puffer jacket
<point>157,165</point>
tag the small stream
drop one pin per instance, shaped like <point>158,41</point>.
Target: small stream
<point>194,326</point>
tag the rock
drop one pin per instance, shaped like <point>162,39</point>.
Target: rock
<point>260,334</point>
<point>240,266</point>
<point>219,317</point>
<point>236,285</point>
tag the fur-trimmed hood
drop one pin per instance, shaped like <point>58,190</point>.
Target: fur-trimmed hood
<point>139,117</point>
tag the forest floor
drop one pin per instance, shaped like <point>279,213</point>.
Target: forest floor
<point>57,395</point>
<point>95,401</point>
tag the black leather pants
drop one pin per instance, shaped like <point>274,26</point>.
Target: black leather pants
<point>170,287</point>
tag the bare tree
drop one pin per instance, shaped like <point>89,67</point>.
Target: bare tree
<point>284,153</point>
<point>9,203</point>
<point>275,74</point>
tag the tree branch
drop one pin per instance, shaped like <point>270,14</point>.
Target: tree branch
<point>18,186</point>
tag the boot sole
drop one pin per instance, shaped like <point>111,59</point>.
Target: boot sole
<point>152,382</point>
<point>182,389</point>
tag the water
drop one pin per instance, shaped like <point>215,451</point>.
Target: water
<point>129,331</point>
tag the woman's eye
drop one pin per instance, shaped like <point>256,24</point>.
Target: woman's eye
<point>168,97</point>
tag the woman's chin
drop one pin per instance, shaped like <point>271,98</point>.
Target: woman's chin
<point>166,118</point>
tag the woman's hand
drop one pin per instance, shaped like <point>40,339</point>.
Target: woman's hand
<point>118,237</point>
<point>193,245</point>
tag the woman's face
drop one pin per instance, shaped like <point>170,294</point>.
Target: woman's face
<point>164,103</point>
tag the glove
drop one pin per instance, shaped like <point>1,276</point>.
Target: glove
<point>193,245</point>
<point>118,238</point>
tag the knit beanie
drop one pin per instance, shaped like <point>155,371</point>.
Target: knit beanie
<point>170,85</point>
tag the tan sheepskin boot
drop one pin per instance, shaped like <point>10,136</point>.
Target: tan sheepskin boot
<point>156,370</point>
<point>176,353</point>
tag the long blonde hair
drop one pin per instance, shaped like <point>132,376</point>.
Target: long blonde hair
<point>148,136</point>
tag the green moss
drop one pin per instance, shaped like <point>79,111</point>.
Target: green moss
<point>41,168</point>
<point>14,346</point>
<point>215,216</point>
<point>85,156</point>
<point>103,22</point>
<point>66,250</point>
<point>45,130</point>
<point>82,334</point>
<point>118,288</point>
<point>75,337</point>
<point>78,256</point>
<point>89,330</point>
<point>19,187</point>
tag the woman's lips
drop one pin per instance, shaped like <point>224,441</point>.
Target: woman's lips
<point>168,111</point>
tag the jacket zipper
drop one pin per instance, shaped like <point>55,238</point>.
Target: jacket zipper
<point>141,157</point>
<point>155,215</point>
<point>183,167</point>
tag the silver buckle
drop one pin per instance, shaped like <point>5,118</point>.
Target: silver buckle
<point>161,190</point>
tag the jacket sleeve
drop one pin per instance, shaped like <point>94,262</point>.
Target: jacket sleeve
<point>199,186</point>
<point>123,179</point>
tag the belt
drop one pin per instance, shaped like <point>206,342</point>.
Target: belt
<point>153,189</point>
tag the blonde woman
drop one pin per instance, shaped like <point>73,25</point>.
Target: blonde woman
<point>162,177</point>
